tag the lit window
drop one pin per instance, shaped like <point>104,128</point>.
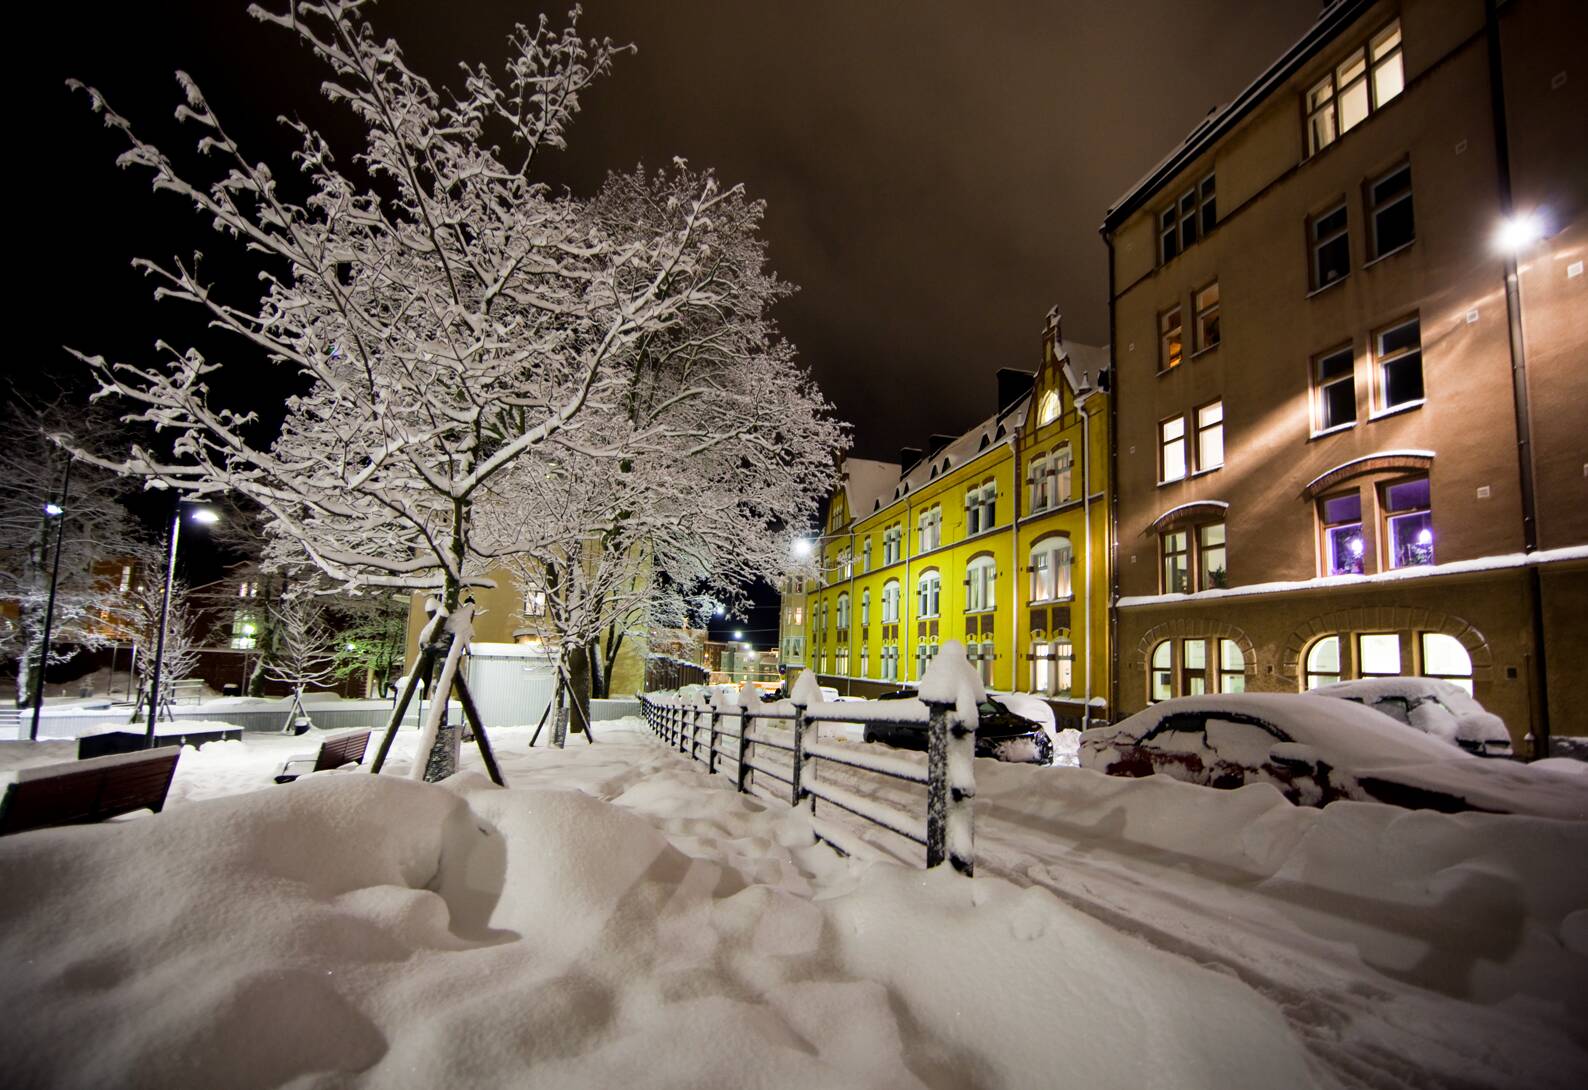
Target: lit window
<point>1334,380</point>
<point>1391,221</point>
<point>1207,317</point>
<point>1176,562</point>
<point>1210,436</point>
<point>1041,483</point>
<point>1330,243</point>
<point>1063,471</point>
<point>980,577</point>
<point>1398,354</point>
<point>126,578</point>
<point>1323,662</point>
<point>865,608</point>
<point>1409,519</point>
<point>1342,534</point>
<point>1446,659</point>
<point>1232,667</point>
<point>1368,78</point>
<point>1063,666</point>
<point>984,666</point>
<point>843,613</point>
<point>1162,671</point>
<point>929,590</point>
<point>1041,668</point>
<point>890,602</point>
<point>1378,654</point>
<point>1052,562</point>
<point>1171,449</point>
<point>1210,547</point>
<point>1048,411</point>
<point>1171,339</point>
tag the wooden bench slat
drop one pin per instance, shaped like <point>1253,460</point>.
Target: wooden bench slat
<point>79,795</point>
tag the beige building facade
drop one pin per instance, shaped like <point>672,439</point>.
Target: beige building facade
<point>1349,431</point>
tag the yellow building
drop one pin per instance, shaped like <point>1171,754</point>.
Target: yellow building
<point>998,538</point>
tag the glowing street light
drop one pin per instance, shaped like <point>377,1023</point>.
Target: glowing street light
<point>1518,232</point>
<point>802,547</point>
<point>738,635</point>
<point>206,516</point>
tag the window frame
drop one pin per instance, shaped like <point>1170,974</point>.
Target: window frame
<point>1318,243</point>
<point>1382,361</point>
<point>1048,550</point>
<point>1165,553</point>
<point>1205,318</point>
<point>1165,442</point>
<point>1188,219</point>
<point>981,592</point>
<point>1389,517</point>
<point>929,593</point>
<point>1327,528</point>
<point>1322,384</point>
<point>1376,249</point>
<point>1203,431</point>
<point>1205,579</point>
<point>1374,61</point>
<point>1169,359</point>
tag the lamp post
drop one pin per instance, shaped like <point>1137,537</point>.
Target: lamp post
<point>202,515</point>
<point>56,509</point>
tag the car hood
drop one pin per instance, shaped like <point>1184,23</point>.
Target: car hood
<point>1502,787</point>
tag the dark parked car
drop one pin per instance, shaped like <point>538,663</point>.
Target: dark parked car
<point>1000,733</point>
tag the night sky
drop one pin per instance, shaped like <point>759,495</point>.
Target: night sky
<point>934,173</point>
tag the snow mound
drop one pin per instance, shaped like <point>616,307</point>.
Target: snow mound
<point>377,931</point>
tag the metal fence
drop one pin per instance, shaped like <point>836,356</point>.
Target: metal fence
<point>732,740</point>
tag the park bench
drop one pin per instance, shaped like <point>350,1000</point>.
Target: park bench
<point>83,792</point>
<point>335,752</point>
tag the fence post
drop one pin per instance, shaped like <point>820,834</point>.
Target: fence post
<point>741,774</point>
<point>799,754</point>
<point>951,789</point>
<point>711,740</point>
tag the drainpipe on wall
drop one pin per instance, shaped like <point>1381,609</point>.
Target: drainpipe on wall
<point>1086,509</point>
<point>1519,398</point>
<point>1016,487</point>
<point>1113,493</point>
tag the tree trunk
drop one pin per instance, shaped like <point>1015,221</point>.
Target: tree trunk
<point>579,685</point>
<point>600,671</point>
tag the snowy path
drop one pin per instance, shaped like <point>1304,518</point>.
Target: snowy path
<point>1382,994</point>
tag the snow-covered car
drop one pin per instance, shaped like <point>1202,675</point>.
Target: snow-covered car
<point>1317,750</point>
<point>1435,707</point>
<point>1000,733</point>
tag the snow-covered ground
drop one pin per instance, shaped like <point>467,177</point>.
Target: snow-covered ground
<point>620,918</point>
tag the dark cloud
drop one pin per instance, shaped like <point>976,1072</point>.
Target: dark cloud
<point>934,173</point>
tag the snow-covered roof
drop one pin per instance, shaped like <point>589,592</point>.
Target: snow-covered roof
<point>866,481</point>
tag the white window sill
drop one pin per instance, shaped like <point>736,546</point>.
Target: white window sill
<point>1199,353</point>
<point>1333,430</point>
<point>1175,480</point>
<point>1387,254</point>
<point>1336,282</point>
<point>1205,472</point>
<point>1403,407</point>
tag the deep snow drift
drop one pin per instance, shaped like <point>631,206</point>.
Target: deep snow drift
<point>655,929</point>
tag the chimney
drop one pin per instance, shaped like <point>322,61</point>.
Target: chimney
<point>1013,384</point>
<point>935,443</point>
<point>908,456</point>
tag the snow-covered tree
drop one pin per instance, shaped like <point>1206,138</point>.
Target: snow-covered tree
<point>180,653</point>
<point>720,444</point>
<point>92,527</point>
<point>442,315</point>
<point>370,633</point>
<point>306,645</point>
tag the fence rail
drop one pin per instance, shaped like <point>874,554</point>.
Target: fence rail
<point>705,731</point>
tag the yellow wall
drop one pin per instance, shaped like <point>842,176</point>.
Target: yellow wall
<point>1006,462</point>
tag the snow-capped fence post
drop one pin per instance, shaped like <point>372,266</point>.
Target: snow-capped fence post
<point>951,691</point>
<point>740,777</point>
<point>799,755</point>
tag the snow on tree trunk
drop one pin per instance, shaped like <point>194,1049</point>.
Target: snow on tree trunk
<point>436,752</point>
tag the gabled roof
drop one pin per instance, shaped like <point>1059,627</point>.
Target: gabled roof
<point>1334,19</point>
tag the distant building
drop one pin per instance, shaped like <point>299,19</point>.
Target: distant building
<point>997,538</point>
<point>791,623</point>
<point>1349,421</point>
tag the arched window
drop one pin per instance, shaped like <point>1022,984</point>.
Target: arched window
<point>929,589</point>
<point>1052,563</point>
<point>890,602</point>
<point>980,576</point>
<point>865,608</point>
<point>1163,671</point>
<point>843,613</point>
<point>1445,658</point>
<point>1323,662</point>
<point>1048,409</point>
<point>865,661</point>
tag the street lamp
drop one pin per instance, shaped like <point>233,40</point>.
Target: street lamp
<point>54,510</point>
<point>802,547</point>
<point>204,516</point>
<point>1518,232</point>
